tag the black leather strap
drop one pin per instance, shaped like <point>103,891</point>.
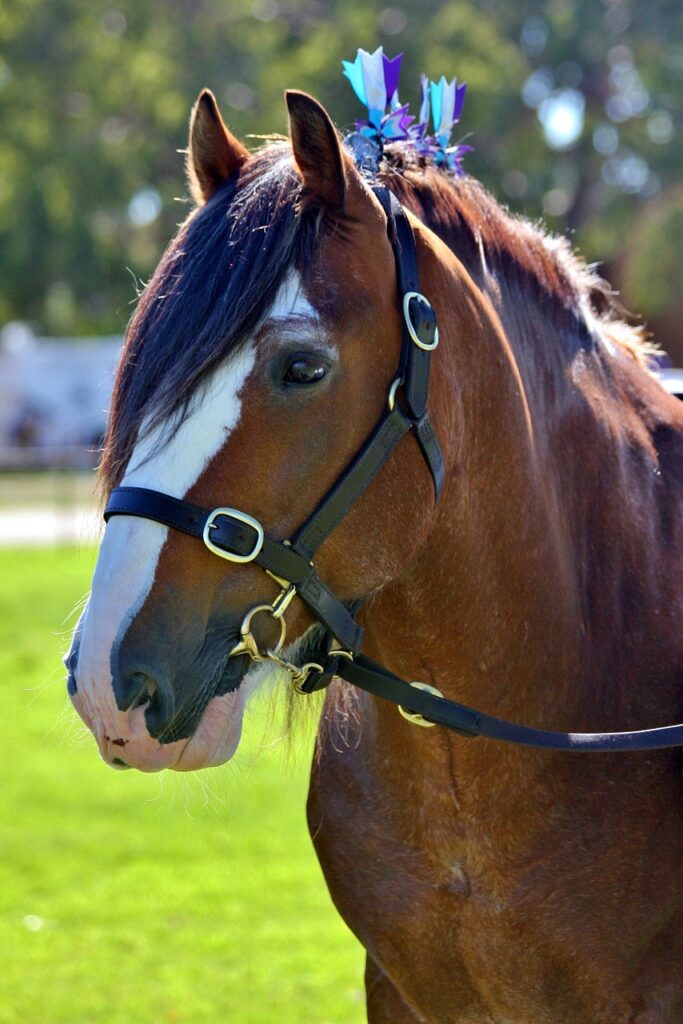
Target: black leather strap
<point>426,438</point>
<point>181,515</point>
<point>352,483</point>
<point>415,361</point>
<point>373,678</point>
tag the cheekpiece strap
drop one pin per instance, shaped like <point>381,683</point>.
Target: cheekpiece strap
<point>420,333</point>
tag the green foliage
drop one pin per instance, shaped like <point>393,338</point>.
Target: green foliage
<point>652,268</point>
<point>94,100</point>
<point>126,898</point>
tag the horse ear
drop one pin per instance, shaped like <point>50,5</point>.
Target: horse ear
<point>213,152</point>
<point>317,150</point>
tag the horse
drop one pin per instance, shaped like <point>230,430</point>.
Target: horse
<point>488,883</point>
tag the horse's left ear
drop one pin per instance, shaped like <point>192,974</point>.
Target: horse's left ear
<point>317,150</point>
<point>213,152</point>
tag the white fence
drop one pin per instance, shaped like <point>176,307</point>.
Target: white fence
<point>54,398</point>
<point>42,505</point>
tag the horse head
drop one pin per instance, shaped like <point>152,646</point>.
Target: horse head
<point>259,359</point>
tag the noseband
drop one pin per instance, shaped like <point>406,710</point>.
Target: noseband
<point>238,537</point>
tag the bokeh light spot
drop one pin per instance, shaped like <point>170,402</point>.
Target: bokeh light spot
<point>144,207</point>
<point>538,87</point>
<point>606,139</point>
<point>392,21</point>
<point>562,117</point>
<point>660,127</point>
<point>534,36</point>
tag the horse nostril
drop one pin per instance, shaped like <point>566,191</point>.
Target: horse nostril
<point>135,689</point>
<point>70,659</point>
<point>147,689</point>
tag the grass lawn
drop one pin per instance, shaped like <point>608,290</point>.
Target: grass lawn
<point>132,899</point>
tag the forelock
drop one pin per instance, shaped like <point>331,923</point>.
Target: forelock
<point>214,283</point>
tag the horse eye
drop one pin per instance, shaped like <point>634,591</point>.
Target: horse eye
<point>304,370</point>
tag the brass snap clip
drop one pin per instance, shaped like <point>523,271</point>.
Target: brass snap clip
<point>247,643</point>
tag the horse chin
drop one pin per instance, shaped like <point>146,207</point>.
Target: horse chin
<point>217,736</point>
<point>125,742</point>
<point>214,741</point>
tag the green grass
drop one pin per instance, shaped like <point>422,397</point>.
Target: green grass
<point>132,899</point>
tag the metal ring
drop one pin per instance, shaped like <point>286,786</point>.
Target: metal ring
<point>391,400</point>
<point>247,636</point>
<point>409,323</point>
<point>337,652</point>
<point>413,716</point>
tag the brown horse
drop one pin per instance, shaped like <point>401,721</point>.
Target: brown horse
<point>489,884</point>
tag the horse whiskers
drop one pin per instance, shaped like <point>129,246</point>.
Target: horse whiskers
<point>75,611</point>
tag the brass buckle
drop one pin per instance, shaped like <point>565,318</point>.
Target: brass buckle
<point>241,517</point>
<point>409,323</point>
<point>412,716</point>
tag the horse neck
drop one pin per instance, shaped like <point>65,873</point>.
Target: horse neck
<point>494,610</point>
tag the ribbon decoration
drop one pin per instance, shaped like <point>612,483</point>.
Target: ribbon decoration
<point>374,79</point>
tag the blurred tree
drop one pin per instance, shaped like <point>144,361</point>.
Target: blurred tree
<point>575,110</point>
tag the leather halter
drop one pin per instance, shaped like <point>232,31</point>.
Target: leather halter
<point>238,537</point>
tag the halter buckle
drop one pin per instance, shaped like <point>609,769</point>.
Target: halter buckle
<point>426,346</point>
<point>241,517</point>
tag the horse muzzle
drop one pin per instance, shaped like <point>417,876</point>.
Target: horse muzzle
<point>145,716</point>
